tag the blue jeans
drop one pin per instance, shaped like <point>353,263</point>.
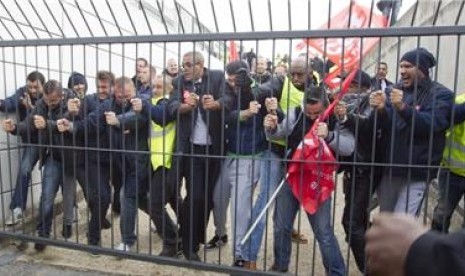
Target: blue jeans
<point>51,179</point>
<point>451,190</point>
<point>284,214</point>
<point>271,174</point>
<point>29,158</point>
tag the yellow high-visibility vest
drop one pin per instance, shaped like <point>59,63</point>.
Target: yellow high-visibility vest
<point>454,151</point>
<point>161,142</point>
<point>291,97</point>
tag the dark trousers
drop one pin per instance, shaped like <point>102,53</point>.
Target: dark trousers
<point>94,178</point>
<point>200,173</point>
<point>163,190</point>
<point>358,189</point>
<point>451,190</point>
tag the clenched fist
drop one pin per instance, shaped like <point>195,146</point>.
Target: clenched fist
<point>63,125</point>
<point>40,122</point>
<point>271,105</point>
<point>209,103</point>
<point>322,130</point>
<point>136,104</point>
<point>192,99</point>
<point>111,118</point>
<point>377,99</point>
<point>254,107</point>
<point>270,122</point>
<point>73,106</point>
<point>26,101</point>
<point>396,98</point>
<point>9,126</point>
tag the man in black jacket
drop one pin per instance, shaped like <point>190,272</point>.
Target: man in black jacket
<point>198,104</point>
<point>57,161</point>
<point>379,81</point>
<point>414,122</point>
<point>93,170</point>
<point>359,180</point>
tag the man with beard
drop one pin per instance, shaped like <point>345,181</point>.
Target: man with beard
<point>22,102</point>
<point>414,122</point>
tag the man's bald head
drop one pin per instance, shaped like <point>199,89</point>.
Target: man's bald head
<point>299,72</point>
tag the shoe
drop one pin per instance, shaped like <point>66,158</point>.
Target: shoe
<point>94,242</point>
<point>250,265</point>
<point>170,251</point>
<point>67,231</point>
<point>40,247</point>
<point>298,238</point>
<point>124,247</point>
<point>276,269</point>
<point>194,257</point>
<point>216,242</point>
<point>16,217</point>
<point>239,263</point>
<point>106,224</point>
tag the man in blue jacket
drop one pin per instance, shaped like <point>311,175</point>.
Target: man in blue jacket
<point>413,121</point>
<point>22,102</point>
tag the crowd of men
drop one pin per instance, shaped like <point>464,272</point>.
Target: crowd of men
<point>219,135</point>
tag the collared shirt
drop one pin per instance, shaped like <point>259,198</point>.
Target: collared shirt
<point>200,135</point>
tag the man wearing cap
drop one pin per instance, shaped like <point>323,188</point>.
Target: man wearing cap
<point>414,119</point>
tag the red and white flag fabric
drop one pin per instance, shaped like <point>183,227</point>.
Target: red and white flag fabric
<point>345,53</point>
<point>233,51</point>
<point>310,172</point>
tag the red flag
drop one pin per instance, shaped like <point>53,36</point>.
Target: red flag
<point>345,53</point>
<point>232,51</point>
<point>311,169</point>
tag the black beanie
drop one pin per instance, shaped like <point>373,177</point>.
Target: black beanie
<point>421,58</point>
<point>75,79</point>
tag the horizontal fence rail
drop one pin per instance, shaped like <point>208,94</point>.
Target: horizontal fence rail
<point>187,133</point>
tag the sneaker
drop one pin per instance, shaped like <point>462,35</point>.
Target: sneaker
<point>67,231</point>
<point>16,217</point>
<point>216,242</point>
<point>124,247</point>
<point>239,263</point>
<point>298,238</point>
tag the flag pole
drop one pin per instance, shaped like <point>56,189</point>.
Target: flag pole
<point>265,209</point>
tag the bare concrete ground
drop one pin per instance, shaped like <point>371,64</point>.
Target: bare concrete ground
<point>305,259</point>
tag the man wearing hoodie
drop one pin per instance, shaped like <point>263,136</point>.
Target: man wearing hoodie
<point>78,84</point>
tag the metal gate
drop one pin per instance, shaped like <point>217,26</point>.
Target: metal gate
<point>60,38</point>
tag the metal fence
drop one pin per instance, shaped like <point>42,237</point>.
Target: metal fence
<point>105,153</point>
